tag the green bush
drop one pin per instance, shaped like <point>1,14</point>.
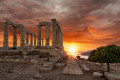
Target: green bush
<point>107,54</point>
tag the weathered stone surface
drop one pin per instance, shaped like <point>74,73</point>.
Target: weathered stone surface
<point>85,68</point>
<point>34,61</point>
<point>46,69</point>
<point>37,76</point>
<point>60,65</point>
<point>72,68</point>
<point>112,76</point>
<point>97,74</point>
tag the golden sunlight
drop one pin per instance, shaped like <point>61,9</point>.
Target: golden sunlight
<point>72,49</point>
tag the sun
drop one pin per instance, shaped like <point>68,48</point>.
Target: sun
<point>72,49</point>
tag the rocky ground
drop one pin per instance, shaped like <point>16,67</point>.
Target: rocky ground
<point>19,71</point>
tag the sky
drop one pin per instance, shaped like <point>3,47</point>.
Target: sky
<point>86,24</point>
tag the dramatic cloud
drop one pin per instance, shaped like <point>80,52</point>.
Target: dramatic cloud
<point>89,23</point>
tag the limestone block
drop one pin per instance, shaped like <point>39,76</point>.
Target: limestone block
<point>27,61</point>
<point>112,76</point>
<point>37,76</point>
<point>48,64</point>
<point>85,68</point>
<point>23,61</point>
<point>97,74</point>
<point>18,60</point>
<point>60,65</point>
<point>43,60</point>
<point>54,59</point>
<point>34,61</point>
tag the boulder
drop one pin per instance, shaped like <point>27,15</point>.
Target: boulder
<point>97,74</point>
<point>85,68</point>
<point>112,76</point>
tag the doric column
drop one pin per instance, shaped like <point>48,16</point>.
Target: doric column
<point>5,35</point>
<point>42,42</point>
<point>47,34</point>
<point>31,42</point>
<point>22,41</point>
<point>27,38</point>
<point>14,36</point>
<point>34,40</point>
<point>53,32</point>
<point>39,35</point>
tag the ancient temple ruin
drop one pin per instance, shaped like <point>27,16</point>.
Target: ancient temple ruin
<point>57,37</point>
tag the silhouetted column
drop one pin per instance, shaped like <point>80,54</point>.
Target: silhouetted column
<point>39,35</point>
<point>34,40</point>
<point>15,37</point>
<point>47,34</point>
<point>5,35</point>
<point>27,38</point>
<point>31,40</point>
<point>42,42</point>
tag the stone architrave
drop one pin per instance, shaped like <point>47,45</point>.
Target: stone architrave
<point>15,37</point>
<point>47,34</point>
<point>5,35</point>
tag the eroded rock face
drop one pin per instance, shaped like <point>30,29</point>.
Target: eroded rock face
<point>97,74</point>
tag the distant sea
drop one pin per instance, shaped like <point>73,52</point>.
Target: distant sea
<point>84,56</point>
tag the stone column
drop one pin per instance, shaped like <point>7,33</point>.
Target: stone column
<point>31,43</point>
<point>42,42</point>
<point>47,34</point>
<point>27,38</point>
<point>22,41</point>
<point>53,32</point>
<point>5,45</point>
<point>34,40</point>
<point>39,35</point>
<point>15,37</point>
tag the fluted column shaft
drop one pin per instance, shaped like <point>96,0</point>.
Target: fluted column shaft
<point>5,35</point>
<point>22,42</point>
<point>39,35</point>
<point>31,40</point>
<point>47,34</point>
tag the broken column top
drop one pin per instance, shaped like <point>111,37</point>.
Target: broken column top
<point>10,22</point>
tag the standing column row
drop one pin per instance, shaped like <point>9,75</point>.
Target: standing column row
<point>31,39</point>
